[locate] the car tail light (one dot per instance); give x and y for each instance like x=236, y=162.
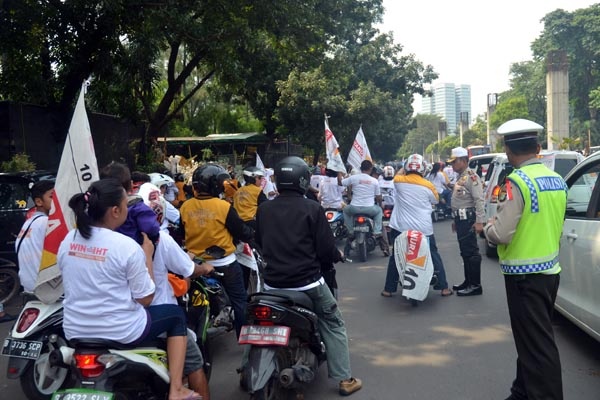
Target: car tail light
x=28, y=316
x=329, y=216
x=361, y=220
x=88, y=365
x=495, y=193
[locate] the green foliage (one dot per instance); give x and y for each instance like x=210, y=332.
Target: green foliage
x=511, y=108
x=18, y=163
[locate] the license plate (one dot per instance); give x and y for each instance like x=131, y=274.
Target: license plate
x=265, y=335
x=22, y=348
x=361, y=228
x=81, y=394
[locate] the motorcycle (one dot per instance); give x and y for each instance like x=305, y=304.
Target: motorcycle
x=335, y=218
x=286, y=349
x=10, y=285
x=36, y=333
x=364, y=241
x=208, y=312
x=107, y=370
x=441, y=212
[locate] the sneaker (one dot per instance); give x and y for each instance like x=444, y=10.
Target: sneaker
x=350, y=386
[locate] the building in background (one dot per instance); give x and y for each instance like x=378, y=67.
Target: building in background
x=448, y=102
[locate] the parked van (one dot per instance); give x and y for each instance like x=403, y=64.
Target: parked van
x=561, y=161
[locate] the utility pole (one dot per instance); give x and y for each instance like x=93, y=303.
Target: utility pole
x=492, y=100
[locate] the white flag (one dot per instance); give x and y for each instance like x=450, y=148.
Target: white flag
x=261, y=166
x=77, y=170
x=359, y=151
x=334, y=158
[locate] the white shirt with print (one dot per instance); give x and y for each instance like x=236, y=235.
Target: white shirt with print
x=364, y=189
x=102, y=277
x=30, y=252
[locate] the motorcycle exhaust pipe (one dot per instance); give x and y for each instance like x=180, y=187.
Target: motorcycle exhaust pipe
x=286, y=377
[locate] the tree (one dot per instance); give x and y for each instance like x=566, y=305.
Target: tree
x=419, y=138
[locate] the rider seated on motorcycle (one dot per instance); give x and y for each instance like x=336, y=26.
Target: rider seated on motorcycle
x=210, y=226
x=294, y=256
x=109, y=282
x=441, y=182
x=330, y=193
x=169, y=257
x=365, y=193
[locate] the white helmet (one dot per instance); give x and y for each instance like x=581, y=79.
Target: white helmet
x=388, y=172
x=254, y=172
x=159, y=180
x=415, y=163
x=153, y=198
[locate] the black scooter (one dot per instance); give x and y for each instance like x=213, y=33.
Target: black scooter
x=285, y=345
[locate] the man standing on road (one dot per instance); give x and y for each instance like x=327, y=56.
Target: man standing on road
x=365, y=193
x=467, y=209
x=532, y=206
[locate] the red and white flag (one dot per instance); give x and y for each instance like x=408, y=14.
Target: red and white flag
x=359, y=151
x=334, y=158
x=77, y=170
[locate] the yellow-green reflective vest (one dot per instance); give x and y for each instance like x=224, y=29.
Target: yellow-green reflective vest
x=534, y=246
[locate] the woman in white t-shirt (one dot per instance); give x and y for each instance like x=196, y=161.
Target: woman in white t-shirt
x=108, y=282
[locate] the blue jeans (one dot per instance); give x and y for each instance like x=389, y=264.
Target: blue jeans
x=233, y=283
x=373, y=211
x=392, y=276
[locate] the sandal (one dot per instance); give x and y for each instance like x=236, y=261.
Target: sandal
x=447, y=292
x=386, y=294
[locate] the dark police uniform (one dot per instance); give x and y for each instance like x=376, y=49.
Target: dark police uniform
x=467, y=209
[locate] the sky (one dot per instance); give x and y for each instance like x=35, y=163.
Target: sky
x=471, y=42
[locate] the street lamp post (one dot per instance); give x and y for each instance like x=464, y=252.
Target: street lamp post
x=492, y=100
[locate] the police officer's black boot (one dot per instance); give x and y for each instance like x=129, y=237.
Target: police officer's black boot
x=466, y=281
x=474, y=277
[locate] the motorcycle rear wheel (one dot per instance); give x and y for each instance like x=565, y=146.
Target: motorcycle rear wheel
x=273, y=390
x=362, y=251
x=40, y=380
x=9, y=284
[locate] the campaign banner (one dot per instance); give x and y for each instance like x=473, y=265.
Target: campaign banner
x=359, y=151
x=332, y=149
x=77, y=170
x=414, y=264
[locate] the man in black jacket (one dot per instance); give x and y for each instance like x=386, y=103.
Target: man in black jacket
x=296, y=240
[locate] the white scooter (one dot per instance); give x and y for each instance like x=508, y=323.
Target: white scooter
x=36, y=333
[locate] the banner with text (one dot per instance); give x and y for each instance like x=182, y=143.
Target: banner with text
x=334, y=158
x=359, y=151
x=77, y=170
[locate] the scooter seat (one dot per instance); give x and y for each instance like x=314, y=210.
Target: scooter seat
x=285, y=297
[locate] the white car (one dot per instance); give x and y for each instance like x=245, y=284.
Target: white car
x=578, y=296
x=561, y=161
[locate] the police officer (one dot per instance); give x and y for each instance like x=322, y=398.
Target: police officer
x=531, y=206
x=467, y=209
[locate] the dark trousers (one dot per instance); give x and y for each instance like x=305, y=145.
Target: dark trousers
x=232, y=281
x=530, y=300
x=469, y=250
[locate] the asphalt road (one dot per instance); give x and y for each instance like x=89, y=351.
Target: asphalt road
x=449, y=348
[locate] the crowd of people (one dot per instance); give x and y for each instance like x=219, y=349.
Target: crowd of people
x=123, y=292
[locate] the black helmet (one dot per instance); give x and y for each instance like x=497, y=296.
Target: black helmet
x=292, y=173
x=209, y=179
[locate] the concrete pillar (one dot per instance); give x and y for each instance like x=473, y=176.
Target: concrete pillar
x=557, y=98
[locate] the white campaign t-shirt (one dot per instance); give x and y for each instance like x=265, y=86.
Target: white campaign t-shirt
x=439, y=180
x=331, y=193
x=364, y=189
x=102, y=276
x=30, y=252
x=169, y=257
x=412, y=209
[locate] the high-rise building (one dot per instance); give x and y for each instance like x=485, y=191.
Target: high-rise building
x=448, y=101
